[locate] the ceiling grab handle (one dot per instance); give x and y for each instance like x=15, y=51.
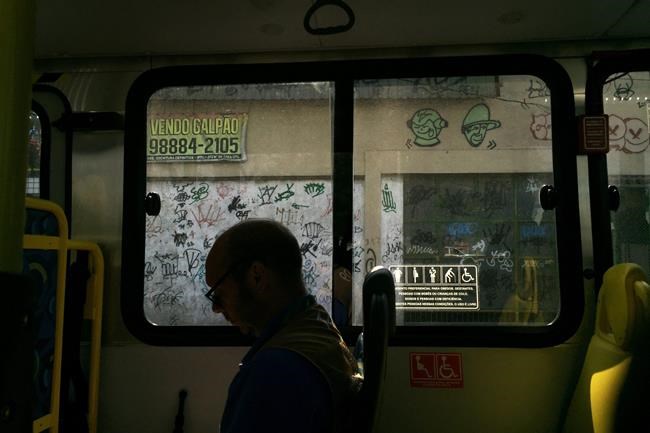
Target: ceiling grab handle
x=333, y=29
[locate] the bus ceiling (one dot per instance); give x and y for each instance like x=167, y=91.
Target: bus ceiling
x=81, y=28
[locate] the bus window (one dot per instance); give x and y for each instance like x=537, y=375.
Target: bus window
x=437, y=178
x=448, y=172
x=625, y=101
x=217, y=155
x=33, y=186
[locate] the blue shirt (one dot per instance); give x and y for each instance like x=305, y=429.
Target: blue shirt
x=277, y=391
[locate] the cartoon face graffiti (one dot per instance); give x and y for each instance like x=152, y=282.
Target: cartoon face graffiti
x=636, y=135
x=475, y=133
x=427, y=124
x=629, y=135
x=617, y=128
x=624, y=87
x=540, y=126
x=477, y=123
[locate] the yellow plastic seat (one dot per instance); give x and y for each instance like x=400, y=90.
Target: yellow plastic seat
x=614, y=384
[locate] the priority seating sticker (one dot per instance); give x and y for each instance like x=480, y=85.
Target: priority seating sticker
x=436, y=370
x=436, y=287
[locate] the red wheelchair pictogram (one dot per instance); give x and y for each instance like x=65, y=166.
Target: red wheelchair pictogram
x=436, y=370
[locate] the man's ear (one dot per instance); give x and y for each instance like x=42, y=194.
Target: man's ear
x=258, y=275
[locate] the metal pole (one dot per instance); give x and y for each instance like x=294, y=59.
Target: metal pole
x=16, y=55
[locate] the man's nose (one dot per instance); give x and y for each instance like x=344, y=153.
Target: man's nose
x=217, y=307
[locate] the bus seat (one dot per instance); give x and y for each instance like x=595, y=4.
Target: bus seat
x=523, y=305
x=615, y=375
x=378, y=327
x=44, y=261
x=46, y=252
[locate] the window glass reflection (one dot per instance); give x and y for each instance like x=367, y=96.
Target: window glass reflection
x=33, y=186
x=625, y=100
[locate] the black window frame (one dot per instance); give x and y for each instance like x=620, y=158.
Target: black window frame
x=343, y=74
x=602, y=65
x=40, y=88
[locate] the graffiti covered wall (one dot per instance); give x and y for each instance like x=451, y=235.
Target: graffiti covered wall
x=195, y=212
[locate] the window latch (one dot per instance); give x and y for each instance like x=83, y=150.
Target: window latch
x=613, y=198
x=152, y=204
x=548, y=197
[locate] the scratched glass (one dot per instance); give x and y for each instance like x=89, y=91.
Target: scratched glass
x=626, y=101
x=447, y=178
x=218, y=155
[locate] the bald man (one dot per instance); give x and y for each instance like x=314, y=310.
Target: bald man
x=299, y=375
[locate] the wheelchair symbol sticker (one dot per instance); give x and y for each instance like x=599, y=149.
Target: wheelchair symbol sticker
x=468, y=275
x=436, y=370
x=445, y=370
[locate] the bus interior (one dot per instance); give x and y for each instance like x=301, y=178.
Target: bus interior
x=490, y=155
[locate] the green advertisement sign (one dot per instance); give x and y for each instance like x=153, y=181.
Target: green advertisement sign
x=197, y=138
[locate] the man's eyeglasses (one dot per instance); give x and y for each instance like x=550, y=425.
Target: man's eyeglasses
x=212, y=293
